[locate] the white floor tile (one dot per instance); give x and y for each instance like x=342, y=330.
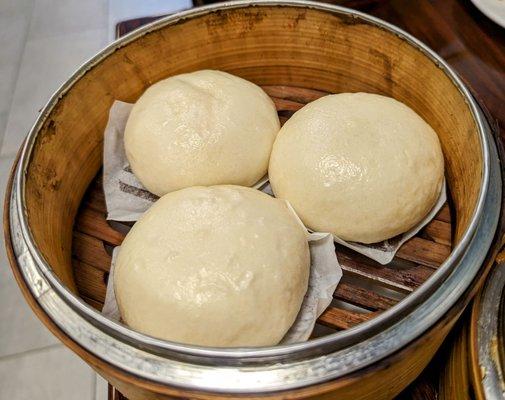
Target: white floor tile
x=3, y=122
x=46, y=64
x=101, y=388
x=55, y=17
x=13, y=31
x=20, y=329
x=16, y=7
x=14, y=23
x=50, y=374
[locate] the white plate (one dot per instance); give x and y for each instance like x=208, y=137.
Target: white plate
x=493, y=9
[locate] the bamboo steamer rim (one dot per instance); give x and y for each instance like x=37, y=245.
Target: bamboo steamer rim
x=486, y=338
x=335, y=341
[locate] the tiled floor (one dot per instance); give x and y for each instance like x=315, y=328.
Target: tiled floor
x=41, y=43
x=51, y=53
x=48, y=373
x=37, y=53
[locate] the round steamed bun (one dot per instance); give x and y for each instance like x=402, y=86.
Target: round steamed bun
x=218, y=266
x=202, y=128
x=361, y=166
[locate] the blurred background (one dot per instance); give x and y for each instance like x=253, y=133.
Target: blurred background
x=43, y=41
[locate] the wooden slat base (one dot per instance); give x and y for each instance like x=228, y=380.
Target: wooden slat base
x=367, y=288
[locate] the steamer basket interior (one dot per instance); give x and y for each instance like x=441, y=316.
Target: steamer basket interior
x=296, y=54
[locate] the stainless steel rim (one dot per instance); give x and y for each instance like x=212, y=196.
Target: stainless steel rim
x=381, y=334
x=490, y=334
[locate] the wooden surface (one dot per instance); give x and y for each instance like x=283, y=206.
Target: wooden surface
x=367, y=288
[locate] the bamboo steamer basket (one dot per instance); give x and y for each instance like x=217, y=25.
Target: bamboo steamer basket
x=295, y=48
x=476, y=364
x=486, y=335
